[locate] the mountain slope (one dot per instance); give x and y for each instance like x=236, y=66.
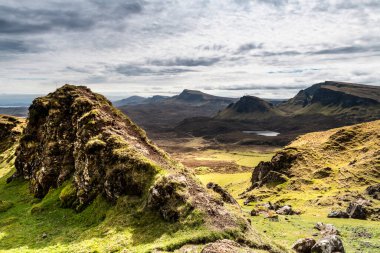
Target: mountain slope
x=327, y=168
x=78, y=152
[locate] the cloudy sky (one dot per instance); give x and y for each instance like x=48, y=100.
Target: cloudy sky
x=268, y=48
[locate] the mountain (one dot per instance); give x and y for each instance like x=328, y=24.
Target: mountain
x=137, y=100
x=324, y=169
x=194, y=96
x=79, y=152
x=354, y=102
x=160, y=114
x=133, y=100
x=247, y=107
x=320, y=107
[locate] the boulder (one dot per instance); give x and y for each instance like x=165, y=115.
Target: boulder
x=374, y=191
x=326, y=229
x=169, y=197
x=338, y=214
x=357, y=211
x=251, y=198
x=285, y=210
x=275, y=171
x=303, y=245
x=329, y=244
x=254, y=212
x=226, y=196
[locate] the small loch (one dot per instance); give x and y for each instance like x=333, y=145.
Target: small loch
x=262, y=133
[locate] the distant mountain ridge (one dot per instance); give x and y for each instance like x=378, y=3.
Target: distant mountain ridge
x=328, y=98
x=322, y=106
x=186, y=96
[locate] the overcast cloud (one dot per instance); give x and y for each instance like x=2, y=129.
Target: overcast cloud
x=230, y=47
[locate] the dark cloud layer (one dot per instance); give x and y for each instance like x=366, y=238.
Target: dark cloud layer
x=134, y=70
x=16, y=46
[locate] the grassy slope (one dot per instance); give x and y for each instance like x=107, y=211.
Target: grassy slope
x=347, y=179
x=31, y=225
x=99, y=228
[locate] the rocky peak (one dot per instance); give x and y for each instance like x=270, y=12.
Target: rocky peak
x=248, y=104
x=74, y=133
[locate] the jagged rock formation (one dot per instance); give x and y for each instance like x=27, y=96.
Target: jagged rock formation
x=74, y=132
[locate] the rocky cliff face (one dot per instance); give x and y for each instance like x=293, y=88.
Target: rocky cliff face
x=74, y=133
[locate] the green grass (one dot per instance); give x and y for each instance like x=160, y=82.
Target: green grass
x=242, y=158
x=99, y=228
x=299, y=226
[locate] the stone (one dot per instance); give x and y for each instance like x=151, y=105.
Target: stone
x=250, y=199
x=285, y=210
x=374, y=191
x=326, y=229
x=355, y=210
x=275, y=171
x=226, y=196
x=338, y=214
x=329, y=244
x=303, y=245
x=254, y=212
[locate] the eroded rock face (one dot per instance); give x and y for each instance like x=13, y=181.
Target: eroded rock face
x=74, y=133
x=275, y=171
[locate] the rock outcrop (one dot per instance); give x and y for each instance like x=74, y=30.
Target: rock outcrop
x=303, y=245
x=276, y=171
x=74, y=133
x=374, y=191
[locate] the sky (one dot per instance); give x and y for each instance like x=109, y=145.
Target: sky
x=269, y=48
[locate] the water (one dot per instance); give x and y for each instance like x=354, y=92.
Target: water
x=262, y=133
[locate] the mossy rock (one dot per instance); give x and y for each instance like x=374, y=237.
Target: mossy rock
x=5, y=205
x=323, y=173
x=68, y=196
